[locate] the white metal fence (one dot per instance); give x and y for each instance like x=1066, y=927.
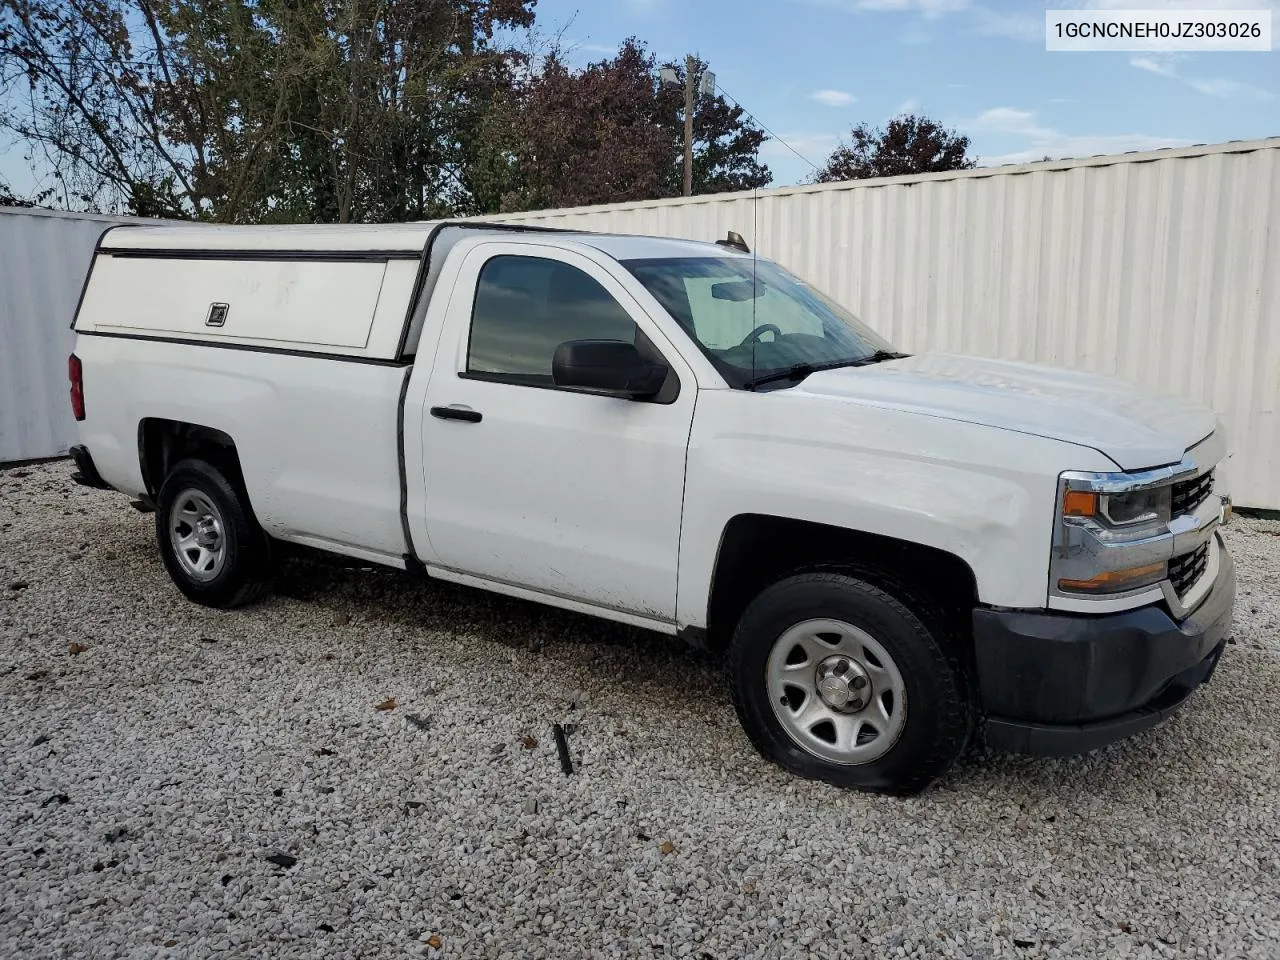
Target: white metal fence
x=1162, y=267
x=43, y=260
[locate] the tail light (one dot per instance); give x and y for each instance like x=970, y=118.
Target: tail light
x=76, y=374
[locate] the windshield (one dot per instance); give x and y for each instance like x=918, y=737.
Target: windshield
x=754, y=331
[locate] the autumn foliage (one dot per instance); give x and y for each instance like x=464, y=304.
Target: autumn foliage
x=353, y=110
x=908, y=144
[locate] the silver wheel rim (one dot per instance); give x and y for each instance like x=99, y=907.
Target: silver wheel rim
x=836, y=691
x=197, y=534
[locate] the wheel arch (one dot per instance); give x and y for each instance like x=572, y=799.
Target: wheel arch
x=163, y=443
x=757, y=550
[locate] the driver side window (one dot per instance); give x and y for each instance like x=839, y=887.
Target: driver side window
x=525, y=307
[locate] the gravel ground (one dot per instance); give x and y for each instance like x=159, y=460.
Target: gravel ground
x=157, y=756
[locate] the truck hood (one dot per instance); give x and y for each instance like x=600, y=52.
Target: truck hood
x=1135, y=428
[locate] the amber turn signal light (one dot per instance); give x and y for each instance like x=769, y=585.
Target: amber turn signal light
x=1079, y=503
x=1114, y=580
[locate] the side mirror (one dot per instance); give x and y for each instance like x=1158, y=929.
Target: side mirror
x=609, y=366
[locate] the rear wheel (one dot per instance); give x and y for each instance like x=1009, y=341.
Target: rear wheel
x=835, y=678
x=211, y=544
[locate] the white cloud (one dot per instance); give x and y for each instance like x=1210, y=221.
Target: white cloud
x=1220, y=87
x=833, y=98
x=1154, y=64
x=1164, y=65
x=1020, y=123
x=909, y=105
x=1045, y=141
x=1085, y=145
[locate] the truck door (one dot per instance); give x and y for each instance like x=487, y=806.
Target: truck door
x=567, y=493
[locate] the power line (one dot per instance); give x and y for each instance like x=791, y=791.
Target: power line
x=766, y=129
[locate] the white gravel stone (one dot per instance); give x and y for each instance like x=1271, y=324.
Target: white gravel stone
x=202, y=742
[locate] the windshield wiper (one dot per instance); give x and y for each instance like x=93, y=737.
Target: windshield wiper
x=798, y=371
x=878, y=357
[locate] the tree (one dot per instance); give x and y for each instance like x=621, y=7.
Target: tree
x=73, y=88
x=7, y=199
x=396, y=95
x=908, y=144
x=608, y=133
x=569, y=138
x=249, y=110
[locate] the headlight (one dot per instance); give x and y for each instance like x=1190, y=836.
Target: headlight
x=1140, y=506
x=1120, y=509
x=1112, y=535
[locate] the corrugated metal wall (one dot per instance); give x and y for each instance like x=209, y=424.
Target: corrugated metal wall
x=1162, y=267
x=43, y=260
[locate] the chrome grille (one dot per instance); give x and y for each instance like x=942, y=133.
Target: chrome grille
x=1186, y=570
x=1189, y=494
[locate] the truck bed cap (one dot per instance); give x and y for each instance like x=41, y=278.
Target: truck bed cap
x=406, y=237
x=393, y=238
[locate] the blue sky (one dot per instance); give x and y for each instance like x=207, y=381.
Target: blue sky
x=811, y=69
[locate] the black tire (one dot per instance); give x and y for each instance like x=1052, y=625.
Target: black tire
x=243, y=574
x=938, y=707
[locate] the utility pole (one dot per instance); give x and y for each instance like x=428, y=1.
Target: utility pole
x=688, y=124
x=706, y=86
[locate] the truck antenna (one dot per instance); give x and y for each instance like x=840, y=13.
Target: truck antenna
x=755, y=282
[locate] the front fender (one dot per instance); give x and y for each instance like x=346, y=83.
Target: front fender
x=980, y=493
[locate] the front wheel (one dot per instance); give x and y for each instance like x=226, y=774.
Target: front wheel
x=836, y=679
x=212, y=546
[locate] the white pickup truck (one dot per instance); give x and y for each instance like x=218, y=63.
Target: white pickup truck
x=895, y=551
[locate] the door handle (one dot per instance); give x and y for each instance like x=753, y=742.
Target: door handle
x=465, y=414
